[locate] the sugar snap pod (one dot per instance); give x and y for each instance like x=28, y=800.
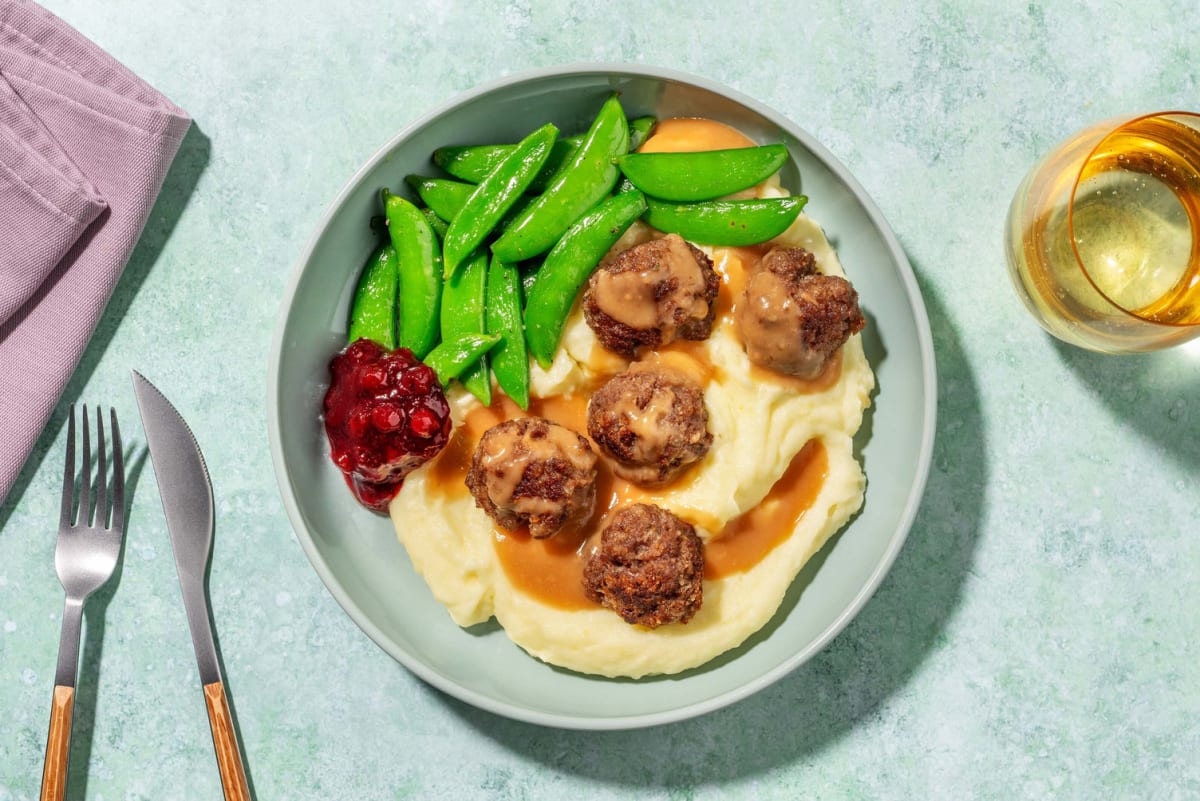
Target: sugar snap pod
x=483, y=209
x=463, y=314
x=581, y=183
x=473, y=163
x=444, y=196
x=510, y=358
x=420, y=262
x=640, y=129
x=438, y=225
x=725, y=222
x=702, y=175
x=451, y=357
x=373, y=310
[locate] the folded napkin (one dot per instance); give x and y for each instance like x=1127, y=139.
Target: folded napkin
x=84, y=147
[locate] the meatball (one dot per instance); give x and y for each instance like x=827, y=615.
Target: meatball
x=651, y=423
x=791, y=318
x=649, y=568
x=532, y=472
x=651, y=295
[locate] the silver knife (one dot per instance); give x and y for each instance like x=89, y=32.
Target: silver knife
x=187, y=499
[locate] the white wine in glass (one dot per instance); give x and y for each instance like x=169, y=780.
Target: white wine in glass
x=1103, y=235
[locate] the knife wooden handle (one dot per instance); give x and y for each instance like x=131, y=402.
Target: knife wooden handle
x=58, y=744
x=229, y=759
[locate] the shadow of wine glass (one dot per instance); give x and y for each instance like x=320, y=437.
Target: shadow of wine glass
x=1155, y=393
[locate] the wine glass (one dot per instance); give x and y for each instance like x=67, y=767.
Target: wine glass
x=1103, y=235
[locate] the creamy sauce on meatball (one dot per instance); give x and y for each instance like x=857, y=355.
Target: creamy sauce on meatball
x=651, y=295
x=647, y=298
x=647, y=422
x=506, y=456
x=791, y=318
x=531, y=472
x=651, y=422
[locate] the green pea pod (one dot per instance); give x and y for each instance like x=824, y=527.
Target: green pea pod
x=529, y=274
x=463, y=313
x=702, y=175
x=560, y=154
x=444, y=196
x=569, y=264
x=580, y=184
x=450, y=196
x=449, y=359
x=475, y=162
x=471, y=162
x=624, y=185
x=510, y=359
x=438, y=225
x=495, y=195
x=420, y=259
x=373, y=310
x=640, y=130
x=725, y=222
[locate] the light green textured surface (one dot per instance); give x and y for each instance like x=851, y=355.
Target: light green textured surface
x=1037, y=637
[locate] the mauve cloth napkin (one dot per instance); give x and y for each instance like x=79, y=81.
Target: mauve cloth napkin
x=84, y=147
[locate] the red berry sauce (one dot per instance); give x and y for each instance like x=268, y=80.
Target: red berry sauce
x=385, y=416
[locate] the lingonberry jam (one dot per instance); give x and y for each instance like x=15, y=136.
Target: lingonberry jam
x=385, y=416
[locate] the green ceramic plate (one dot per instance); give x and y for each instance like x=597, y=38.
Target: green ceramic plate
x=368, y=572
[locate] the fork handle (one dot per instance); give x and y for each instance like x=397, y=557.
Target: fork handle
x=229, y=758
x=58, y=744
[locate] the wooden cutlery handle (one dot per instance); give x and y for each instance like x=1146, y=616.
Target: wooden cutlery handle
x=229, y=759
x=58, y=744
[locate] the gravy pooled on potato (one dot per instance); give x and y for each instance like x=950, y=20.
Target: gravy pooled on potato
x=651, y=295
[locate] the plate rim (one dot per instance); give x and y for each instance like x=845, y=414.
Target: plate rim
x=896, y=541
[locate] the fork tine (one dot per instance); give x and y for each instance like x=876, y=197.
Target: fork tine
x=68, y=494
x=118, y=479
x=101, y=473
x=84, y=517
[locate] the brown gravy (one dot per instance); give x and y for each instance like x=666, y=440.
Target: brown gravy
x=749, y=537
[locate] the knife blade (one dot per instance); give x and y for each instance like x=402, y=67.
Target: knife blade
x=187, y=498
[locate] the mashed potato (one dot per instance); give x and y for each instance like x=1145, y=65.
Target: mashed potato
x=759, y=424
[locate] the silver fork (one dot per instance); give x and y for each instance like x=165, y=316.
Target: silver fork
x=85, y=558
